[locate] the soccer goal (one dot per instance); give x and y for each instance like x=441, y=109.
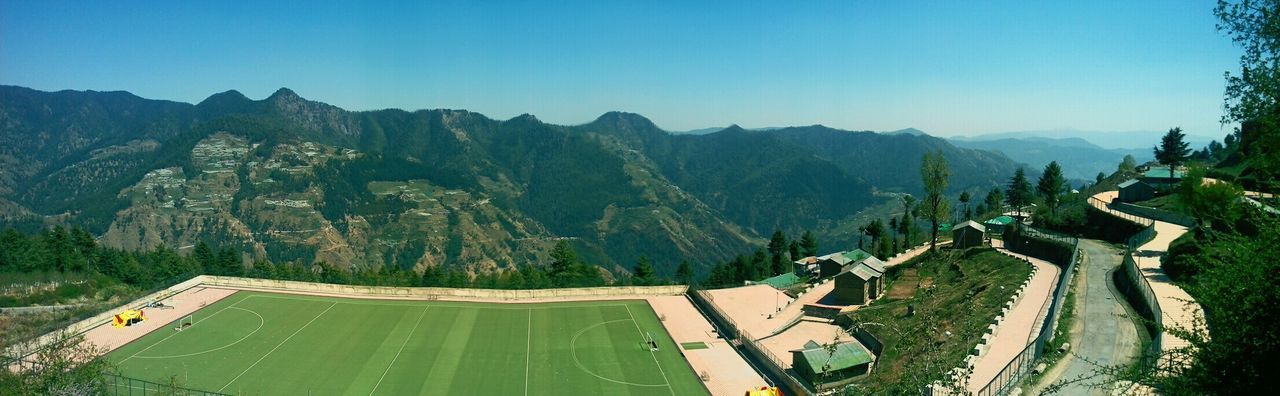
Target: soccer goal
x=650, y=342
x=185, y=323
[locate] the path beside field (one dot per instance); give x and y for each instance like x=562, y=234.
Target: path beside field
x=1019, y=326
x=185, y=303
x=728, y=373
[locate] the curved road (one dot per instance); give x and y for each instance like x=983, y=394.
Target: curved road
x=1104, y=331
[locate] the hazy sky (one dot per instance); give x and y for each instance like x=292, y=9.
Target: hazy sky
x=954, y=67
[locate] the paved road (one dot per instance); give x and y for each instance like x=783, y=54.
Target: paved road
x=1103, y=332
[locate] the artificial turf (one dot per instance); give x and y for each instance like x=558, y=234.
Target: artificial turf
x=262, y=343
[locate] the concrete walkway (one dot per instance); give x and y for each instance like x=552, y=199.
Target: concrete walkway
x=1178, y=309
x=1104, y=331
x=1020, y=324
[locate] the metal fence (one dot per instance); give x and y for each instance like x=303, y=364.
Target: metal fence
x=733, y=333
x=1143, y=288
x=1106, y=207
x=1139, y=281
x=127, y=386
x=1024, y=361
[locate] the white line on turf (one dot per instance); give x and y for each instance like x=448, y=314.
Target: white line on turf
x=261, y=321
x=233, y=380
x=655, y=356
x=176, y=333
x=406, y=342
x=573, y=349
x=528, y=351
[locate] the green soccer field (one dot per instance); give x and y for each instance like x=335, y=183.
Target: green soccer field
x=263, y=343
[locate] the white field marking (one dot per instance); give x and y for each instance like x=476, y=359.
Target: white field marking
x=449, y=304
x=528, y=353
x=655, y=356
x=261, y=321
x=176, y=333
x=406, y=342
x=574, y=351
x=233, y=380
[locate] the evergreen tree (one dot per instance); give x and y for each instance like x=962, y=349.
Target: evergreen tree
x=994, y=200
x=515, y=279
x=777, y=249
x=808, y=244
x=642, y=274
x=907, y=223
x=760, y=261
x=935, y=174
x=684, y=273
x=876, y=230
x=1098, y=179
x=1019, y=191
x=433, y=276
x=893, y=230
x=205, y=257
x=1173, y=149
x=1051, y=186
x=796, y=252
x=229, y=262
x=564, y=264
x=964, y=199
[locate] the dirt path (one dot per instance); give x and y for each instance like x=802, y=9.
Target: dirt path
x=1103, y=318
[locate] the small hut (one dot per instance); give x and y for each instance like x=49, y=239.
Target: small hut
x=1135, y=190
x=968, y=234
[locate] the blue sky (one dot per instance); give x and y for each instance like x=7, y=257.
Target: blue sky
x=945, y=67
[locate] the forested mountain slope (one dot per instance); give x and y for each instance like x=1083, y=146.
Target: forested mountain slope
x=294, y=179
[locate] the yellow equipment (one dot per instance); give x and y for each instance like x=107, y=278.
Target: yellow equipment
x=128, y=318
x=765, y=391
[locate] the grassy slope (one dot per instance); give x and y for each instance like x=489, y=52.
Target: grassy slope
x=962, y=302
x=437, y=348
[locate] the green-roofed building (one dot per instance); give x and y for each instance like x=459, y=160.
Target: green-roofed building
x=1157, y=176
x=848, y=360
x=781, y=282
x=998, y=224
x=833, y=263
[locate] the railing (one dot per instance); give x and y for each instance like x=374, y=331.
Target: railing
x=1022, y=363
x=1106, y=207
x=705, y=300
x=1143, y=288
x=121, y=385
x=1138, y=279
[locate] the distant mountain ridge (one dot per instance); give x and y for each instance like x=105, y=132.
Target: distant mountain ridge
x=1131, y=140
x=1080, y=159
x=294, y=179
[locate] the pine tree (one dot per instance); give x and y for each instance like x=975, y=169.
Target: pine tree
x=684, y=273
x=642, y=274
x=564, y=264
x=796, y=252
x=1173, y=149
x=205, y=257
x=808, y=244
x=1051, y=186
x=964, y=199
x=1019, y=191
x=777, y=249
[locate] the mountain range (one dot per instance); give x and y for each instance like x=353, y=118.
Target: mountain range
x=288, y=178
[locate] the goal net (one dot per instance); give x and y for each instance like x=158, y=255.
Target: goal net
x=185, y=323
x=650, y=342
